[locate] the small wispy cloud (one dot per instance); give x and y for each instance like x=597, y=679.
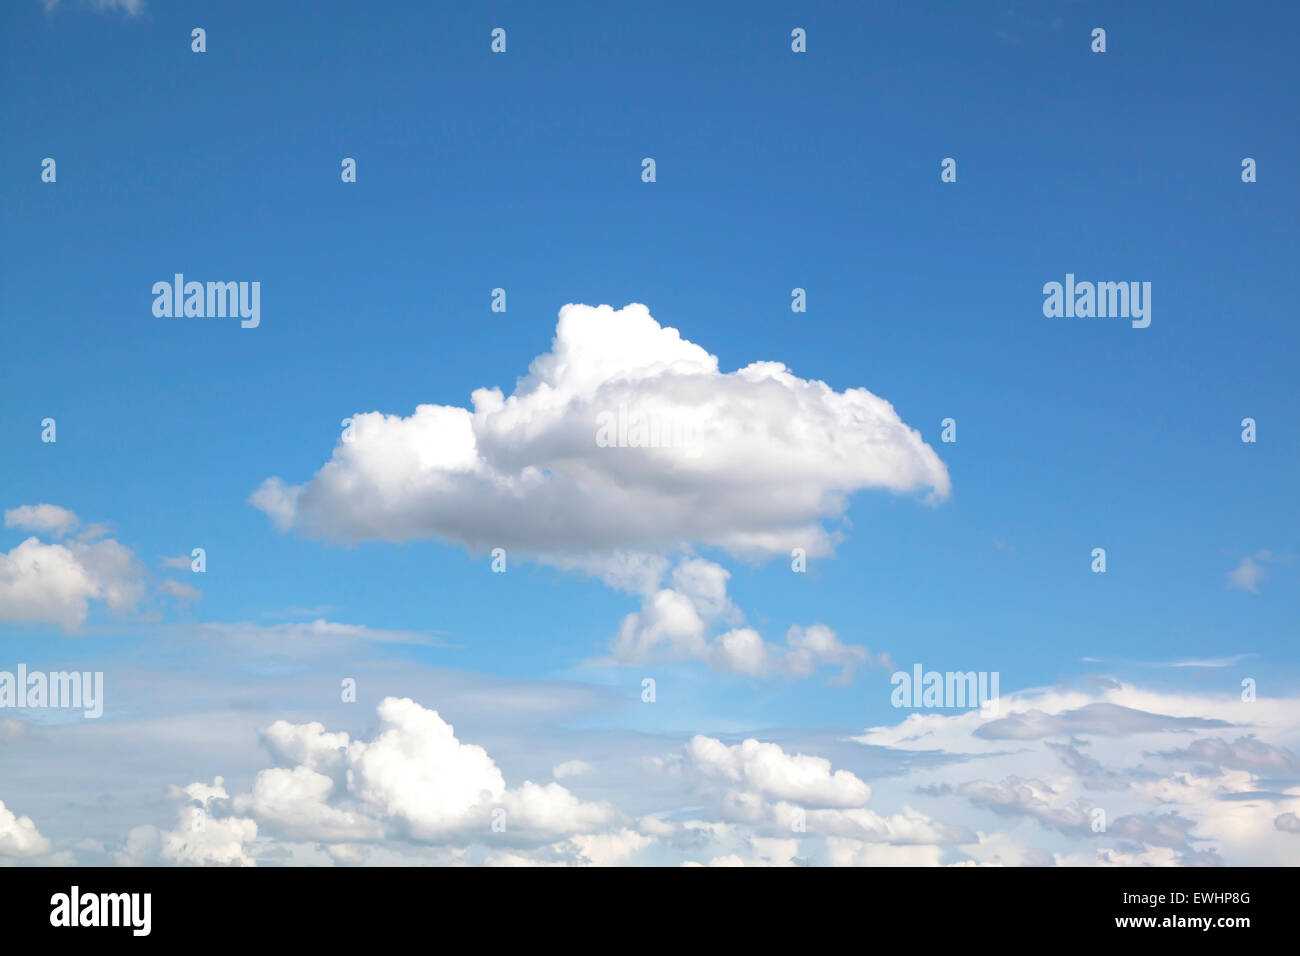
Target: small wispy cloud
x=1251, y=571
x=132, y=8
x=1208, y=661
x=1182, y=662
x=314, y=611
x=309, y=636
x=42, y=519
x=182, y=592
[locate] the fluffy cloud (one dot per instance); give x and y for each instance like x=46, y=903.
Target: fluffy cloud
x=753, y=769
x=675, y=623
x=411, y=791
x=44, y=583
x=221, y=842
x=773, y=808
x=754, y=459
x=572, y=768
x=293, y=802
x=19, y=836
x=606, y=849
x=414, y=780
x=42, y=519
x=417, y=772
x=308, y=745
x=206, y=834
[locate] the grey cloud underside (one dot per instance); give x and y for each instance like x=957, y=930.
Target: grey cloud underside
x=1244, y=753
x=1090, y=771
x=1100, y=718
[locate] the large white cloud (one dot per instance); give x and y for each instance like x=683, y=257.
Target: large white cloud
x=752, y=460
x=417, y=772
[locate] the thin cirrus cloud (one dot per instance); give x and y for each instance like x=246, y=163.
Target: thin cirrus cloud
x=752, y=461
x=1095, y=718
x=305, y=638
x=1202, y=662
x=132, y=8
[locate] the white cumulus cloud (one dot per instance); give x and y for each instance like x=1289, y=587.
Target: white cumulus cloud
x=414, y=780
x=760, y=460
x=54, y=583
x=19, y=836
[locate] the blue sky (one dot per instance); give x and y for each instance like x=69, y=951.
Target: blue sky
x=775, y=170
